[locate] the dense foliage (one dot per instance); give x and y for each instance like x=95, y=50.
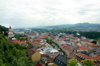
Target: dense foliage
x=72, y=62
x=87, y=34
x=87, y=62
x=3, y=29
x=18, y=37
x=13, y=54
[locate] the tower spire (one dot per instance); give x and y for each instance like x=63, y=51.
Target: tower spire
x=10, y=27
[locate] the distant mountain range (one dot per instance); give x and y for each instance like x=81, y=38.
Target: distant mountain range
x=76, y=27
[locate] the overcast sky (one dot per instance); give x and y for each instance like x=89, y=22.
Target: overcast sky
x=31, y=13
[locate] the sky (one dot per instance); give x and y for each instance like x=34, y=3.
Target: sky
x=33, y=13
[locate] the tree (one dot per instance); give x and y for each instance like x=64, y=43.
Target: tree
x=87, y=62
x=72, y=62
x=13, y=54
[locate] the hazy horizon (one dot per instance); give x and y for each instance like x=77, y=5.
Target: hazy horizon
x=34, y=13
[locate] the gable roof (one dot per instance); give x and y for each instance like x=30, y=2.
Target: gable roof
x=93, y=45
x=88, y=57
x=85, y=40
x=60, y=40
x=42, y=36
x=62, y=59
x=31, y=52
x=49, y=59
x=17, y=41
x=83, y=48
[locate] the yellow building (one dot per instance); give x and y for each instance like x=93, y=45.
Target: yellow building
x=47, y=34
x=32, y=54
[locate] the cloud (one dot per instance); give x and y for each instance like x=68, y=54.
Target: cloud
x=30, y=13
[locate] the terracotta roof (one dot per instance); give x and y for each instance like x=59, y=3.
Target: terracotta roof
x=67, y=47
x=62, y=45
x=77, y=37
x=60, y=40
x=17, y=41
x=83, y=48
x=67, y=40
x=93, y=45
x=35, y=41
x=63, y=37
x=70, y=49
x=85, y=40
x=33, y=35
x=82, y=37
x=77, y=45
x=88, y=57
x=42, y=36
x=72, y=55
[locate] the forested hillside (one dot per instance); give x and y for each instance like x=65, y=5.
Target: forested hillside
x=13, y=55
x=3, y=29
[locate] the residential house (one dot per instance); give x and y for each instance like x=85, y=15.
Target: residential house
x=61, y=60
x=96, y=59
x=84, y=41
x=32, y=54
x=82, y=48
x=67, y=48
x=10, y=33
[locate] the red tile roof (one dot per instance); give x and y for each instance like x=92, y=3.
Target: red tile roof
x=17, y=41
x=67, y=40
x=42, y=36
x=82, y=37
x=67, y=47
x=83, y=48
x=60, y=40
x=77, y=37
x=62, y=45
x=77, y=45
x=85, y=40
x=36, y=41
x=88, y=57
x=93, y=45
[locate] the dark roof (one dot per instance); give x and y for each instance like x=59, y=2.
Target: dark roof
x=33, y=47
x=47, y=56
x=50, y=59
x=39, y=64
x=85, y=52
x=31, y=52
x=61, y=60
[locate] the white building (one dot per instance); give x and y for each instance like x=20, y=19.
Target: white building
x=10, y=33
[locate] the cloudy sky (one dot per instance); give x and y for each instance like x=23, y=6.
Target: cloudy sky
x=32, y=13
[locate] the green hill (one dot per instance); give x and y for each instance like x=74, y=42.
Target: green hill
x=3, y=29
x=13, y=54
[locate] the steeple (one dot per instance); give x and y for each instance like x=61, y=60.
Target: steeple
x=10, y=27
x=10, y=33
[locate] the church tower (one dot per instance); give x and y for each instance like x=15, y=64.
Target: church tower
x=10, y=33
